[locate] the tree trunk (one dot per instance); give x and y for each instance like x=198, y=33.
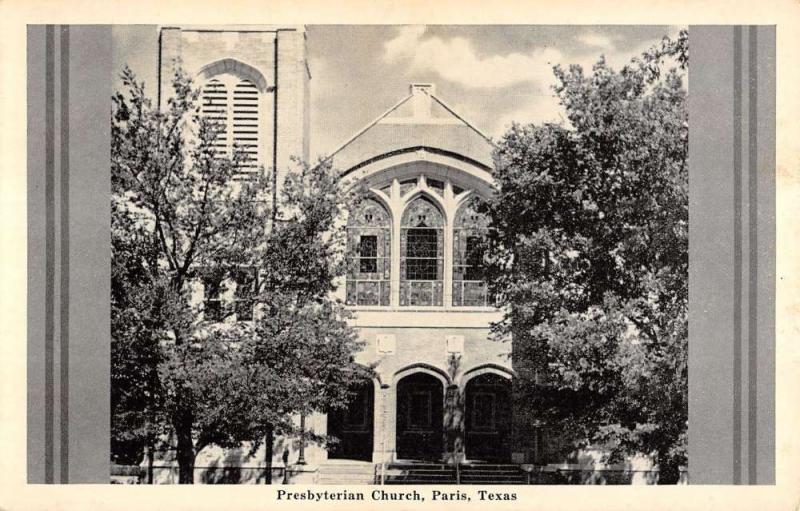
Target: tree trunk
x=182, y=422
x=268, y=441
x=185, y=448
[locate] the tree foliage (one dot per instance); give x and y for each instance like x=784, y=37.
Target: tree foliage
x=591, y=224
x=182, y=215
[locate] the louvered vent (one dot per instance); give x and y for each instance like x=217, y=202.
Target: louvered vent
x=215, y=108
x=245, y=121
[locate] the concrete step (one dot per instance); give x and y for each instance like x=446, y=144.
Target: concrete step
x=347, y=469
x=430, y=473
x=340, y=473
x=421, y=473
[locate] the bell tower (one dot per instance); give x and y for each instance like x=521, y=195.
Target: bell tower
x=254, y=78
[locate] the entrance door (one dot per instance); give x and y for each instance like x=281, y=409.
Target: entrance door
x=488, y=419
x=352, y=426
x=419, y=418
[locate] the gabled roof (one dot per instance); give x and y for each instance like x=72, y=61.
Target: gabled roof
x=420, y=120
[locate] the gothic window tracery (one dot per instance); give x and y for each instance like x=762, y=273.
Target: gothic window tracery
x=422, y=254
x=369, y=255
x=469, y=244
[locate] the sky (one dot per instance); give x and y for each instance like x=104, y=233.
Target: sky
x=490, y=74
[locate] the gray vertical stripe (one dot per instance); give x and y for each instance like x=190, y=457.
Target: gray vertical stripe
x=765, y=182
x=737, y=254
x=745, y=226
x=752, y=358
x=49, y=251
x=64, y=249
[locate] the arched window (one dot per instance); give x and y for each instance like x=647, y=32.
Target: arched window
x=469, y=245
x=368, y=255
x=234, y=103
x=421, y=254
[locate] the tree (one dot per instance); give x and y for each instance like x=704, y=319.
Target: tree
x=135, y=324
x=182, y=216
x=590, y=222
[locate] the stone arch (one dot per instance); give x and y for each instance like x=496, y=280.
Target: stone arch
x=234, y=67
x=473, y=175
x=422, y=367
x=371, y=201
x=426, y=194
x=487, y=369
x=422, y=196
x=467, y=216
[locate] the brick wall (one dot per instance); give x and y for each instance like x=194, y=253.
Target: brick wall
x=429, y=346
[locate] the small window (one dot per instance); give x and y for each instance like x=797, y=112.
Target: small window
x=212, y=302
x=421, y=254
x=437, y=186
x=244, y=296
x=368, y=254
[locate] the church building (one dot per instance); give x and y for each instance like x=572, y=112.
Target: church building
x=443, y=390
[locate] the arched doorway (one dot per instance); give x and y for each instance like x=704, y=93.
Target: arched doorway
x=420, y=413
x=353, y=425
x=488, y=418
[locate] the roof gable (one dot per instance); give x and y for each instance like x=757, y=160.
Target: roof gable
x=419, y=120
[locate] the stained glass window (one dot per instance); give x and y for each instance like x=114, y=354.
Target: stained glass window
x=421, y=259
x=421, y=249
x=469, y=246
x=473, y=257
x=368, y=254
